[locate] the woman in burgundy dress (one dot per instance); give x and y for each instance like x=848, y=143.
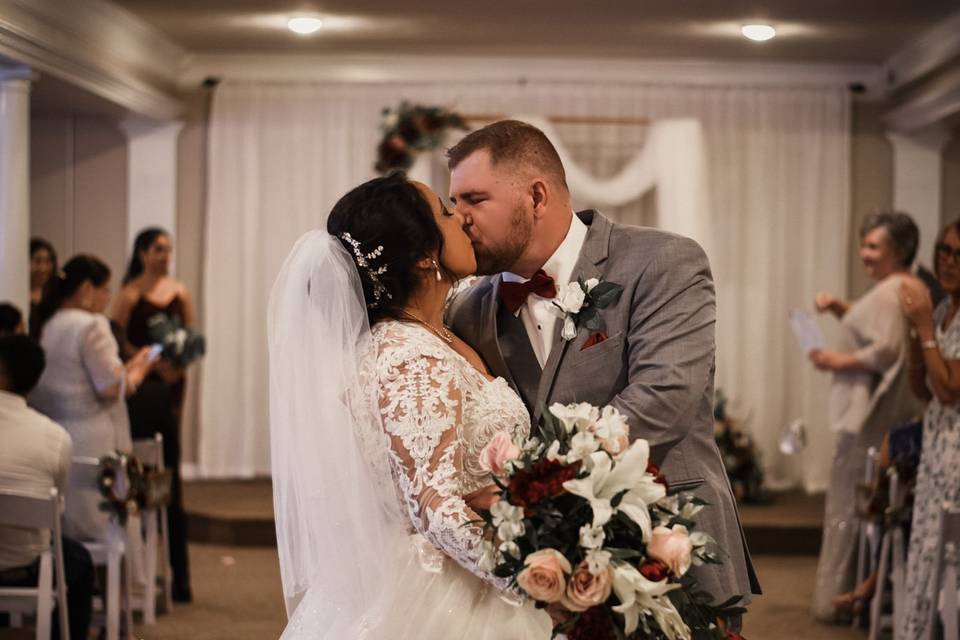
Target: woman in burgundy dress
x=149, y=290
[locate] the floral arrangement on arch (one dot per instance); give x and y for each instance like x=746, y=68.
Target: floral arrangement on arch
x=411, y=128
x=586, y=526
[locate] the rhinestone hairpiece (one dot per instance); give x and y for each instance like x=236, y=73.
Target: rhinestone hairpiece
x=364, y=260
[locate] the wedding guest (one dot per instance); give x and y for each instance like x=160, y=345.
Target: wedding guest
x=34, y=458
x=934, y=365
x=84, y=384
x=149, y=290
x=43, y=264
x=869, y=392
x=11, y=320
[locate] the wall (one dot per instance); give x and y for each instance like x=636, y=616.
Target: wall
x=78, y=187
x=951, y=179
x=191, y=205
x=871, y=183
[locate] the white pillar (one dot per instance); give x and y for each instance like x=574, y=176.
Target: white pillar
x=15, y=186
x=151, y=175
x=917, y=177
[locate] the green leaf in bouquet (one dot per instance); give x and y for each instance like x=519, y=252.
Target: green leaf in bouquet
x=549, y=427
x=503, y=571
x=623, y=554
x=605, y=294
x=689, y=524
x=618, y=497
x=589, y=318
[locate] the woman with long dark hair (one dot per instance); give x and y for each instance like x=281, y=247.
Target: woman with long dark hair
x=150, y=291
x=43, y=264
x=85, y=381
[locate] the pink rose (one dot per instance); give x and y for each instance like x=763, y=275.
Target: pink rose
x=586, y=590
x=544, y=575
x=500, y=450
x=672, y=547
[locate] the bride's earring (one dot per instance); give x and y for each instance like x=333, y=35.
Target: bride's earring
x=437, y=267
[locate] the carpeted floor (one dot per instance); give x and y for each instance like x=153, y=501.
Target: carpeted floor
x=237, y=597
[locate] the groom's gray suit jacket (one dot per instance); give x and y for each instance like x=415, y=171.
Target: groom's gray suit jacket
x=656, y=366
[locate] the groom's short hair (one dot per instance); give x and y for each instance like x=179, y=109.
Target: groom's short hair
x=512, y=142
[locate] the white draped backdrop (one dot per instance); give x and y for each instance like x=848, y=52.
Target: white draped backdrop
x=769, y=200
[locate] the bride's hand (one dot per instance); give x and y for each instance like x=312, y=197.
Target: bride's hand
x=483, y=499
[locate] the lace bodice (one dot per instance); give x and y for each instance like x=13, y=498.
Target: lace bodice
x=439, y=412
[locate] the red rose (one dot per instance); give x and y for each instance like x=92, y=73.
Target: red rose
x=593, y=624
x=528, y=487
x=654, y=470
x=654, y=571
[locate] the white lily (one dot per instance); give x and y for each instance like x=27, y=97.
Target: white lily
x=606, y=481
x=508, y=519
x=591, y=537
x=578, y=417
x=637, y=594
x=582, y=446
x=598, y=560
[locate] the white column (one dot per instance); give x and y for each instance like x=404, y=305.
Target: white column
x=151, y=175
x=917, y=177
x=15, y=186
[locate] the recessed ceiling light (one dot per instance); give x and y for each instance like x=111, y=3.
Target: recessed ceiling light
x=758, y=32
x=304, y=25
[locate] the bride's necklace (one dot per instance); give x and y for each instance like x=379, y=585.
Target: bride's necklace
x=443, y=333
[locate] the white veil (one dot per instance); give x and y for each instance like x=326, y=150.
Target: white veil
x=337, y=513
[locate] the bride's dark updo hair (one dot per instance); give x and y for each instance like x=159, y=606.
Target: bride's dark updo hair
x=391, y=213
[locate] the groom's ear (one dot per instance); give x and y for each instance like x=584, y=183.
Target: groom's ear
x=539, y=194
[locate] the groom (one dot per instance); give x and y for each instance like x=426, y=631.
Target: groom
x=653, y=356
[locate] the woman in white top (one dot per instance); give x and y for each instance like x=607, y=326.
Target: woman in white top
x=85, y=382
x=869, y=395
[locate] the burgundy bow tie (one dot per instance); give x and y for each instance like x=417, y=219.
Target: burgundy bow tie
x=514, y=294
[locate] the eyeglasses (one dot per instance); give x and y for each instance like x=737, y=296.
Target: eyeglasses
x=945, y=251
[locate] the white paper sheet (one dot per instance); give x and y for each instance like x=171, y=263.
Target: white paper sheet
x=806, y=330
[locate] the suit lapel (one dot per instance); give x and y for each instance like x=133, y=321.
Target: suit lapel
x=490, y=343
x=595, y=249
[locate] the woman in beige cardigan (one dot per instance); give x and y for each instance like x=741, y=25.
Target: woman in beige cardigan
x=869, y=393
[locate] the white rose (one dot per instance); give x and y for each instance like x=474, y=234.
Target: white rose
x=591, y=283
x=613, y=430
x=570, y=298
x=591, y=537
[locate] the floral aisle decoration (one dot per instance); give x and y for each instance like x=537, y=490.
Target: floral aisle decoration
x=120, y=480
x=409, y=129
x=739, y=453
x=587, y=526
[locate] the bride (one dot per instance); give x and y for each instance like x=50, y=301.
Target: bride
x=378, y=415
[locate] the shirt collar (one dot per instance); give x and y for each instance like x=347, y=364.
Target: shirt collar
x=12, y=400
x=560, y=265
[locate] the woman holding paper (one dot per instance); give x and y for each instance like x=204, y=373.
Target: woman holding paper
x=869, y=393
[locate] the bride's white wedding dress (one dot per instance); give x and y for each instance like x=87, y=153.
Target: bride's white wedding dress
x=438, y=412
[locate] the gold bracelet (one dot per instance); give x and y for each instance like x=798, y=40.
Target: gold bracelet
x=929, y=344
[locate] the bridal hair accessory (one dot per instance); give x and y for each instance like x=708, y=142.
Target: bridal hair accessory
x=363, y=260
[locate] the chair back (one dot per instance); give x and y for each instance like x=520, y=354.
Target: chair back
x=30, y=510
x=149, y=451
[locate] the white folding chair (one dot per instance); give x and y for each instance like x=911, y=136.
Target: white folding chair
x=37, y=512
x=868, y=536
x=944, y=585
x=109, y=552
x=891, y=566
x=150, y=452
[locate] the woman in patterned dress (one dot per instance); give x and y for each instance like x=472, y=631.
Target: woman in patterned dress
x=935, y=376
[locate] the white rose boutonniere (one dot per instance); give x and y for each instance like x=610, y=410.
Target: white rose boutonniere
x=579, y=303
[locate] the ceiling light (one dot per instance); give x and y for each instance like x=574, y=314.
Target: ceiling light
x=758, y=32
x=304, y=26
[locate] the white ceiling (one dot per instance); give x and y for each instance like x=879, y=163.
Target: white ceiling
x=862, y=31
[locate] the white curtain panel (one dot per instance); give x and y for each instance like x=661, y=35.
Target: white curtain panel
x=777, y=167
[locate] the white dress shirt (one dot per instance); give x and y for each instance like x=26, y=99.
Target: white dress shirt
x=539, y=315
x=35, y=457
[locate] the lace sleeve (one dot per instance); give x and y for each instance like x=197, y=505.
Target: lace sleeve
x=421, y=400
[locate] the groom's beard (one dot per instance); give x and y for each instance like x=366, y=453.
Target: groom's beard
x=502, y=257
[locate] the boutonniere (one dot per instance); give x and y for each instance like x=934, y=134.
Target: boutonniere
x=579, y=304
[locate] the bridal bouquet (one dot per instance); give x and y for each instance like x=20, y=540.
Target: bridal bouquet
x=587, y=526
